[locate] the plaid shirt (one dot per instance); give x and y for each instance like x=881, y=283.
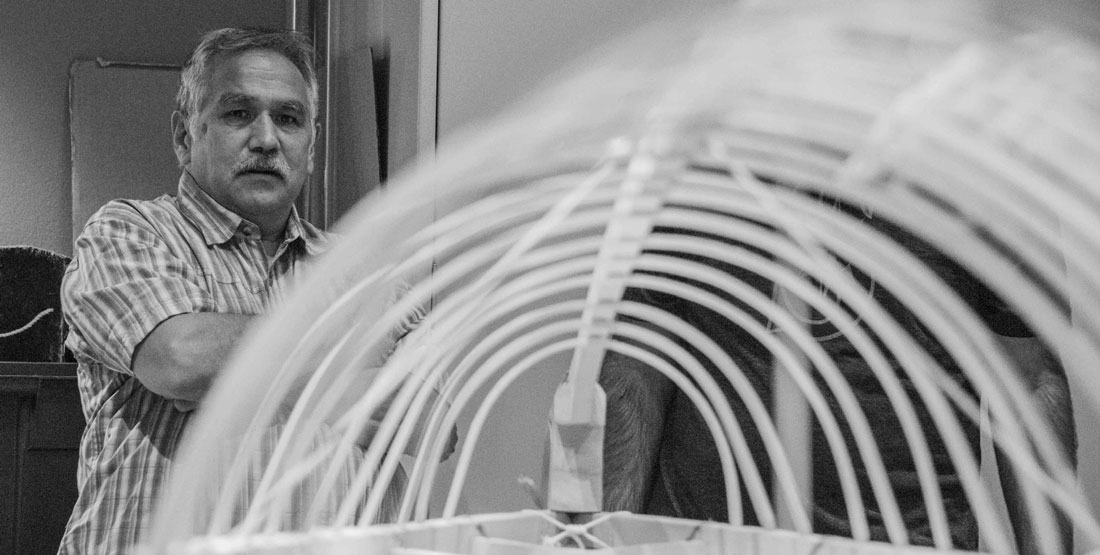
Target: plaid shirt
x=136, y=264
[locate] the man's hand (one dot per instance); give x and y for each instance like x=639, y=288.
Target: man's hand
x=370, y=429
x=367, y=434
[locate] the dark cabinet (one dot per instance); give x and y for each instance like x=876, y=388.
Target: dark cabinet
x=40, y=427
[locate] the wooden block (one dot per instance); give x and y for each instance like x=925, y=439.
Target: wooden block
x=576, y=457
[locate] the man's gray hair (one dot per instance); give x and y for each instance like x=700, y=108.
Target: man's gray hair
x=195, y=79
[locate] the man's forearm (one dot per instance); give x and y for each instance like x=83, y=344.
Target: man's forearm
x=181, y=357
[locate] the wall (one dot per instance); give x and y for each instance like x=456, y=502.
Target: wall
x=380, y=37
x=38, y=42
x=494, y=52
x=404, y=82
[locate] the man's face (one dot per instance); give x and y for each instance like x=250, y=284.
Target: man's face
x=250, y=147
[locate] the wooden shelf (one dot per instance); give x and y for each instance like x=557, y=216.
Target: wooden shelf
x=40, y=427
x=24, y=378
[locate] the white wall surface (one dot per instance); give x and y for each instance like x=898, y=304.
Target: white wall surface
x=494, y=52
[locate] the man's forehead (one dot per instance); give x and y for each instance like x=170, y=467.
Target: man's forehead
x=256, y=76
x=223, y=59
x=237, y=64
x=232, y=98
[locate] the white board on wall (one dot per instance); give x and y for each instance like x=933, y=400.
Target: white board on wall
x=120, y=134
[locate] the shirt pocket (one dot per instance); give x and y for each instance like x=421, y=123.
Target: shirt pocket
x=236, y=288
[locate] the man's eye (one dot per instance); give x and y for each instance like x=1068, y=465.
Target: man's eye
x=237, y=115
x=288, y=119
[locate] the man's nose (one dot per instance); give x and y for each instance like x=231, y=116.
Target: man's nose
x=263, y=137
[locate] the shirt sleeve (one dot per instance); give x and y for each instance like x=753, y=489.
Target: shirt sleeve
x=123, y=281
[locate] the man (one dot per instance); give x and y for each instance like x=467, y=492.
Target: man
x=660, y=457
x=159, y=292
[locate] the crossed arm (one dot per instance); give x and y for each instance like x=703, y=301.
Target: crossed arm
x=180, y=358
x=183, y=355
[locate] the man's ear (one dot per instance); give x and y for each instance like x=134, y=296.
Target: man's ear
x=313, y=146
x=181, y=138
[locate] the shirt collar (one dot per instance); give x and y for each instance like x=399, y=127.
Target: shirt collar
x=217, y=223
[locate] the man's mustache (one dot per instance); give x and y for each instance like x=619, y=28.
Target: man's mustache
x=272, y=164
